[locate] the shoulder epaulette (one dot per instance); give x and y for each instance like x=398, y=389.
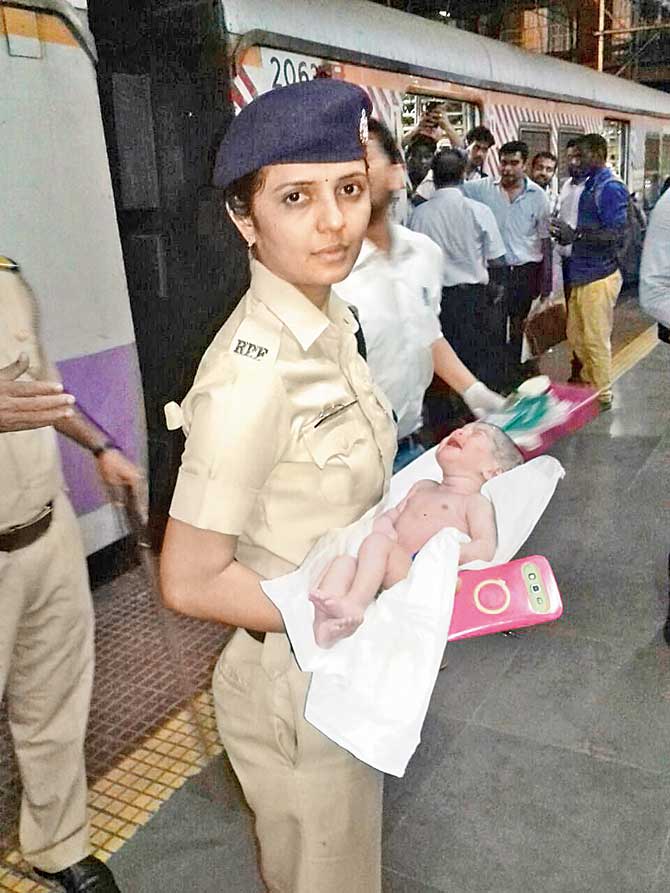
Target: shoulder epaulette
x=257, y=338
x=6, y=263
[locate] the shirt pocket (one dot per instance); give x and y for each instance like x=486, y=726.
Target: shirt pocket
x=331, y=445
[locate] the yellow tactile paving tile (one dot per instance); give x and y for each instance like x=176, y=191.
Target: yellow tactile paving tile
x=125, y=798
x=635, y=351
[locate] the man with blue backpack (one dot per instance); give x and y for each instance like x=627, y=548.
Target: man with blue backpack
x=592, y=271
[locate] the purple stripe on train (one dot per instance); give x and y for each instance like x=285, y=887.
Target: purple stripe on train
x=108, y=389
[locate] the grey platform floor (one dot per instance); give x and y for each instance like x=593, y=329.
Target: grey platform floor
x=545, y=760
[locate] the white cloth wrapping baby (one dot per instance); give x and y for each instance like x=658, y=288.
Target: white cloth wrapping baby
x=370, y=692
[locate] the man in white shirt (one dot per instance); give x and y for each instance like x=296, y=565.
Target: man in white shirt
x=654, y=289
x=568, y=210
x=470, y=240
x=543, y=170
x=521, y=211
x=396, y=287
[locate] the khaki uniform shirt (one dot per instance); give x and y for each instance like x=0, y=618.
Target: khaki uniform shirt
x=287, y=436
x=30, y=474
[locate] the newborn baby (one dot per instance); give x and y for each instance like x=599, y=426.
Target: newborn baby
x=468, y=457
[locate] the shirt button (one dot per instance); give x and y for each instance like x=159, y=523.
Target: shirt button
x=22, y=335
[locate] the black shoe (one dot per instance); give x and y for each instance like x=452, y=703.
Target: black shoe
x=89, y=875
x=576, y=367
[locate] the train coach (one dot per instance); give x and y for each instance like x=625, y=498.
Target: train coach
x=405, y=62
x=58, y=222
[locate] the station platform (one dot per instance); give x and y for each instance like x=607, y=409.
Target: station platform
x=544, y=763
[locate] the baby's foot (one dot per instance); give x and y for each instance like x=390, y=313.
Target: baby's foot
x=330, y=606
x=332, y=620
x=328, y=631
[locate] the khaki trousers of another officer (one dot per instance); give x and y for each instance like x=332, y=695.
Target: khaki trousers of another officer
x=46, y=667
x=318, y=809
x=589, y=329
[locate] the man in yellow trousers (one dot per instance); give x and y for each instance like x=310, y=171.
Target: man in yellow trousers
x=592, y=270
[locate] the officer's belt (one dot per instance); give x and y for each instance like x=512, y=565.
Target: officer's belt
x=26, y=534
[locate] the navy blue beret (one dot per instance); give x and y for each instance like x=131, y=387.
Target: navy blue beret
x=322, y=120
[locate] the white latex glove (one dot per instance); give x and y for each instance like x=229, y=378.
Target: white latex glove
x=482, y=400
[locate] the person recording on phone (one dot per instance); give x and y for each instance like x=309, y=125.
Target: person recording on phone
x=474, y=147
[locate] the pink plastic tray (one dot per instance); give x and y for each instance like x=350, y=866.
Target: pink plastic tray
x=584, y=408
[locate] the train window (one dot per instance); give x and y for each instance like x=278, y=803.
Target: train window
x=538, y=139
x=461, y=115
x=565, y=134
x=652, y=169
x=616, y=134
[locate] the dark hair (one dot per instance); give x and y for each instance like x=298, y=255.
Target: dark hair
x=448, y=167
x=548, y=155
x=239, y=195
x=421, y=141
x=595, y=143
x=514, y=146
x=572, y=143
x=480, y=134
x=386, y=140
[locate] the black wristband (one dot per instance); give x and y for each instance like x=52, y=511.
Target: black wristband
x=102, y=448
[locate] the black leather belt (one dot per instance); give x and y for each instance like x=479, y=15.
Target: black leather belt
x=26, y=534
x=255, y=634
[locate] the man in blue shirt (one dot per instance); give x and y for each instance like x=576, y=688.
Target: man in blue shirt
x=521, y=210
x=592, y=270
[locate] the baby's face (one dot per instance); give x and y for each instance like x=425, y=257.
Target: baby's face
x=468, y=449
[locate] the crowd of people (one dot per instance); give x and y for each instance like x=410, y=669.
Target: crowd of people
x=566, y=244
x=293, y=427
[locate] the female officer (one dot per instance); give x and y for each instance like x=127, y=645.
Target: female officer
x=287, y=437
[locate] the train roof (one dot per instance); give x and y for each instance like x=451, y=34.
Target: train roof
x=374, y=35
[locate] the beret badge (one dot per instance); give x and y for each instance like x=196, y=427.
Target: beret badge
x=363, y=128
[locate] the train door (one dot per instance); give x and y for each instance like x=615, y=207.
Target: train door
x=617, y=135
x=665, y=160
x=652, y=169
x=163, y=80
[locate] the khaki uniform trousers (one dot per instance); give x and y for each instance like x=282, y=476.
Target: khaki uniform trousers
x=318, y=809
x=589, y=329
x=46, y=668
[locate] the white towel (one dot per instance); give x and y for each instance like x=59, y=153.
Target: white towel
x=370, y=692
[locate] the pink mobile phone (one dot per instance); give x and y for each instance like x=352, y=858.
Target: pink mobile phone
x=520, y=593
